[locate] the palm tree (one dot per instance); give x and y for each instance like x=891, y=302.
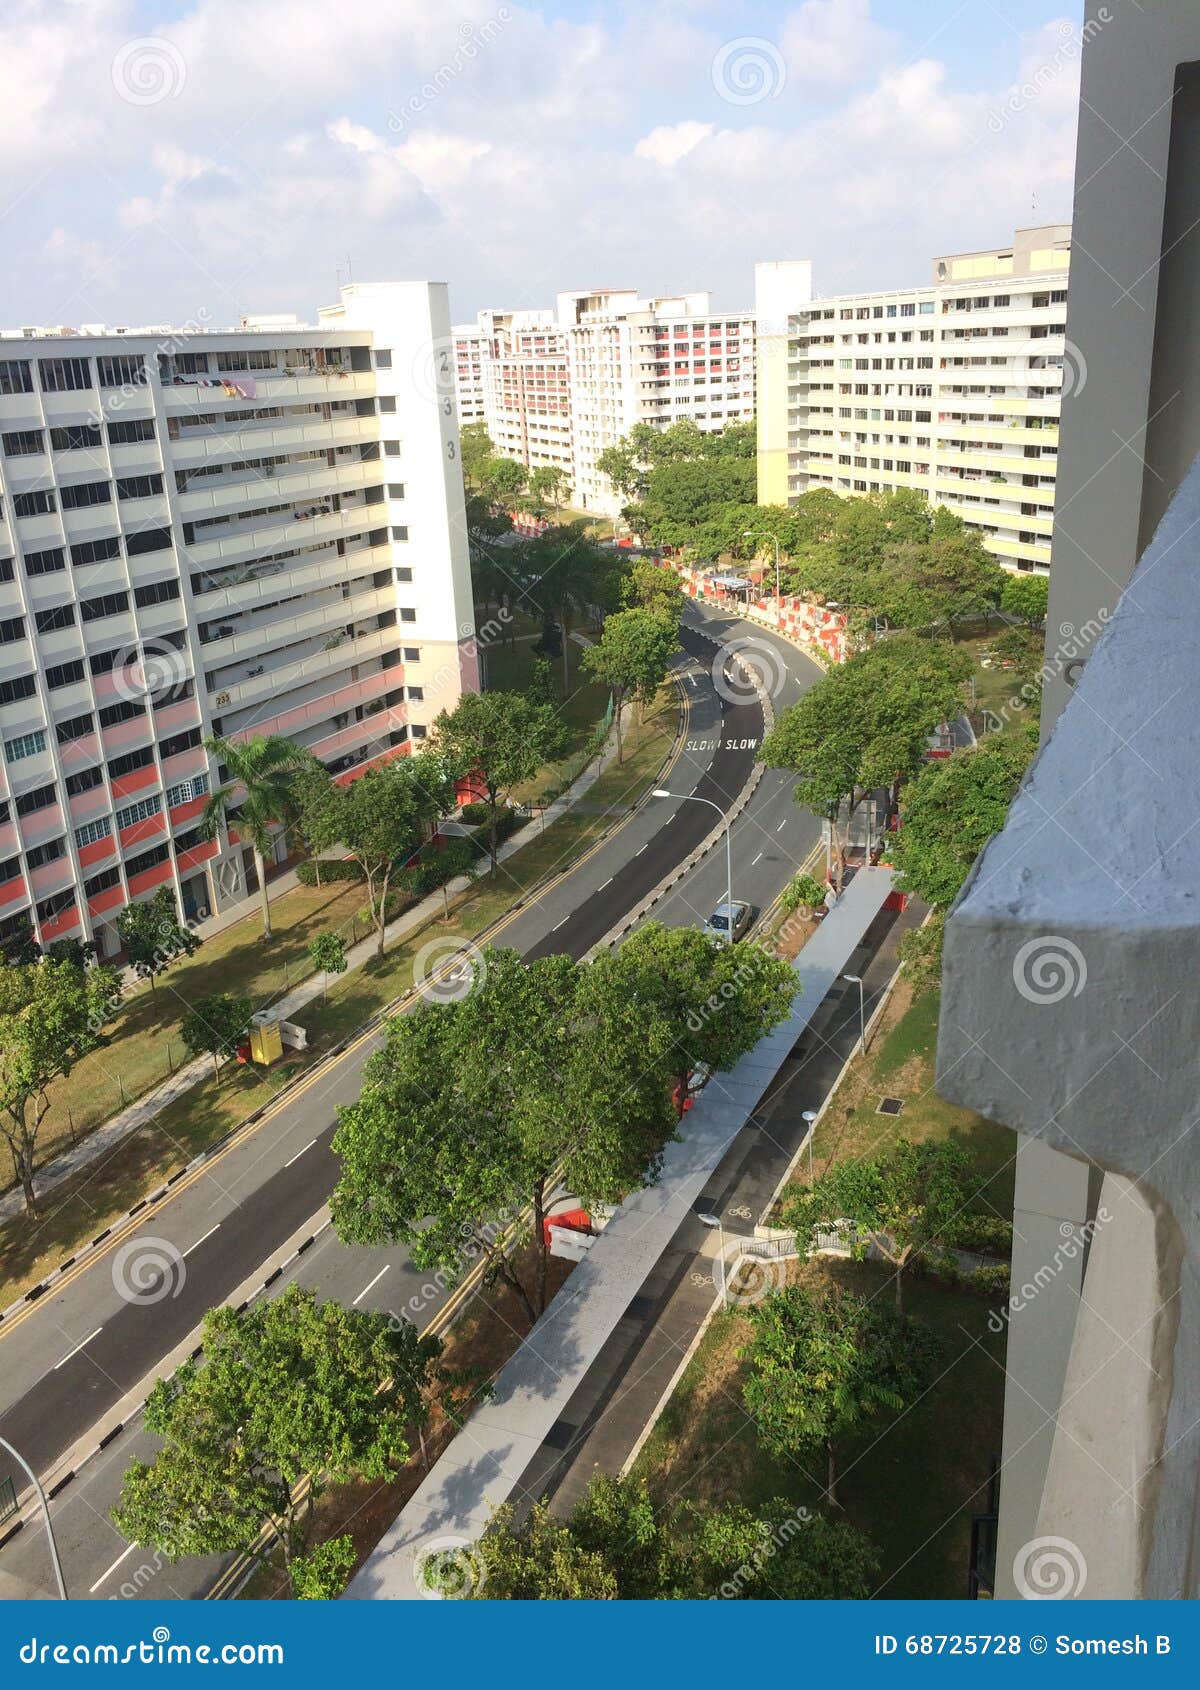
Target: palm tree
x=265, y=768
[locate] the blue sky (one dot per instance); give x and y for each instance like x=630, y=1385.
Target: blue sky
x=177, y=162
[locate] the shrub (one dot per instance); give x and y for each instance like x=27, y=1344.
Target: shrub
x=332, y=868
x=990, y=1281
x=804, y=891
x=473, y=814
x=989, y=1234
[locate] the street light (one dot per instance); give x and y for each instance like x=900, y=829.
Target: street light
x=41, y=1496
x=714, y=1222
x=765, y=534
x=856, y=980
x=691, y=798
x=809, y=1116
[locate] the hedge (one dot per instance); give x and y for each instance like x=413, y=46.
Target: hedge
x=473, y=814
x=332, y=868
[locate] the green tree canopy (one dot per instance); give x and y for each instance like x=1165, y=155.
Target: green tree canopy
x=1026, y=596
x=499, y=739
x=632, y=658
x=475, y=451
x=216, y=1025
x=51, y=1013
x=951, y=810
x=263, y=770
x=153, y=936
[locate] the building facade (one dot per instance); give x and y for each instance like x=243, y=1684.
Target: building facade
x=205, y=532
x=560, y=386
x=953, y=388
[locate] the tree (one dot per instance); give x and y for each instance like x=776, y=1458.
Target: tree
x=153, y=935
x=318, y=811
x=908, y=1197
x=550, y=484
x=217, y=1025
x=866, y=724
x=501, y=479
x=445, y=1148
x=1026, y=597
x=717, y=1000
x=822, y=1367
x=475, y=451
x=291, y=1395
x=652, y=586
x=778, y=1553
x=950, y=811
x=51, y=1014
x=499, y=739
x=436, y=865
x=632, y=658
x=538, y=1560
x=383, y=816
x=321, y=1575
x=265, y=769
x=949, y=580
x=328, y=953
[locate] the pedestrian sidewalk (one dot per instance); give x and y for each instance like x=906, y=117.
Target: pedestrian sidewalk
x=483, y=1467
x=98, y=1143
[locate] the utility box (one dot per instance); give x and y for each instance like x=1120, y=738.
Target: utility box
x=266, y=1043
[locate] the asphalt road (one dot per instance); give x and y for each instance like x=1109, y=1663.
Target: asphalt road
x=77, y=1352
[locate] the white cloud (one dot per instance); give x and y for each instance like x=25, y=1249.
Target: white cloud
x=667, y=144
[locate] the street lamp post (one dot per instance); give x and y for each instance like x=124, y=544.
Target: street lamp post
x=715, y=1222
x=809, y=1116
x=765, y=534
x=691, y=798
x=41, y=1496
x=856, y=980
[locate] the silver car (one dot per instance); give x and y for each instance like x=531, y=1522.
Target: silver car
x=729, y=921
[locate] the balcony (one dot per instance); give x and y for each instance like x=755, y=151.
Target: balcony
x=291, y=722
x=317, y=662
x=47, y=823
x=265, y=439
x=255, y=635
x=1068, y=1012
x=150, y=878
x=243, y=541
x=51, y=877
x=304, y=484
x=263, y=583
x=192, y=858
x=267, y=388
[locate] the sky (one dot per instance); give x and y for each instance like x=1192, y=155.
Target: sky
x=174, y=164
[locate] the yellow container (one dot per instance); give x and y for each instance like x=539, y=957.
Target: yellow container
x=266, y=1044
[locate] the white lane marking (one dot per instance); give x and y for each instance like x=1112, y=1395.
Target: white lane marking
x=370, y=1287
x=123, y=1555
x=559, y=924
x=640, y=849
x=608, y=882
x=299, y=1153
x=200, y=1241
x=782, y=825
x=77, y=1349
x=757, y=859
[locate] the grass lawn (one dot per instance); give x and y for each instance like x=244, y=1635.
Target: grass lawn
x=998, y=693
x=911, y=1485
x=75, y=1211
x=509, y=669
x=899, y=1063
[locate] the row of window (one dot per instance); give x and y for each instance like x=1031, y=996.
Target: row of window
x=71, y=375
x=79, y=437
x=44, y=501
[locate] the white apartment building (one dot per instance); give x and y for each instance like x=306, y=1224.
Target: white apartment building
x=237, y=532
x=560, y=386
x=468, y=373
x=953, y=388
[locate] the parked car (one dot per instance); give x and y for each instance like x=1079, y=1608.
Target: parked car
x=729, y=921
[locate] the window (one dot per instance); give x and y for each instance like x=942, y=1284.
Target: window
x=49, y=621
x=121, y=371
x=75, y=727
x=417, y=730
x=81, y=438
x=25, y=745
x=24, y=443
x=15, y=376
x=395, y=489
x=95, y=551
x=387, y=403
x=383, y=360
x=146, y=859
x=50, y=852
x=186, y=841
x=412, y=654
x=58, y=903
x=139, y=486
x=91, y=832
x=40, y=503
x=124, y=711
x=29, y=803
x=391, y=448
x=139, y=812
x=130, y=763
x=157, y=592
x=65, y=674
x=416, y=693
x=175, y=743
x=185, y=790
x=47, y=562
x=926, y=307
x=85, y=494
x=147, y=540
x=108, y=604
x=83, y=782
x=6, y=569
x=102, y=882
x=407, y=614
x=10, y=869
x=129, y=433
x=64, y=375
x=400, y=534
x=404, y=574
x=103, y=662
x=12, y=692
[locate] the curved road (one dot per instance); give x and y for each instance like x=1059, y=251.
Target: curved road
x=78, y=1351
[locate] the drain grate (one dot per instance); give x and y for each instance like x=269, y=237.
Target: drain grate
x=639, y=1308
x=890, y=1105
x=560, y=1434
